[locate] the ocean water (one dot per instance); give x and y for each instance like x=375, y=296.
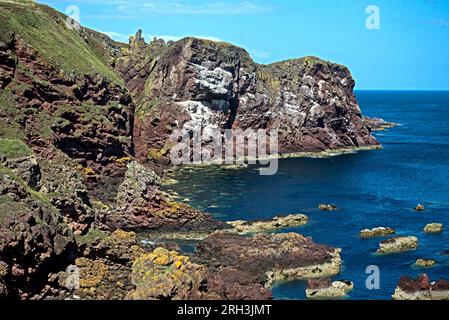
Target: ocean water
x=371, y=189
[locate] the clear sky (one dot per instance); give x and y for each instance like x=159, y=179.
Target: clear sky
x=410, y=51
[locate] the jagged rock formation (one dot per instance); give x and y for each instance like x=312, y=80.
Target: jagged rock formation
x=270, y=258
x=141, y=205
x=421, y=289
x=78, y=109
x=213, y=85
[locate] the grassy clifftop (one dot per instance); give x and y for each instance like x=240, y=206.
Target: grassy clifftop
x=80, y=51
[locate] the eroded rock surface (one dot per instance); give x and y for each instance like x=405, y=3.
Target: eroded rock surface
x=280, y=222
x=326, y=289
x=270, y=258
x=421, y=289
x=398, y=245
x=376, y=232
x=141, y=205
x=195, y=83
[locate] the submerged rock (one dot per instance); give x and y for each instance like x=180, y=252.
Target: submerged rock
x=398, y=245
x=326, y=289
x=327, y=207
x=425, y=263
x=434, y=228
x=420, y=207
x=421, y=289
x=377, y=124
x=376, y=232
x=290, y=221
x=270, y=257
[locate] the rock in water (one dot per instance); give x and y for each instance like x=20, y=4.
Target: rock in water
x=398, y=245
x=420, y=207
x=425, y=263
x=376, y=232
x=421, y=289
x=270, y=257
x=327, y=207
x=325, y=289
x=433, y=228
x=290, y=221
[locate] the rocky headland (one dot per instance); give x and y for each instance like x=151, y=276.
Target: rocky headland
x=85, y=126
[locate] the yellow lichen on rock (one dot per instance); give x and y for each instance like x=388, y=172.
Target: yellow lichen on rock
x=92, y=272
x=165, y=274
x=123, y=235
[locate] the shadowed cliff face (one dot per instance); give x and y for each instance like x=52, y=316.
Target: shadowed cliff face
x=195, y=83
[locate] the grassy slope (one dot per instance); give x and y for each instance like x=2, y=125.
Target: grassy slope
x=45, y=29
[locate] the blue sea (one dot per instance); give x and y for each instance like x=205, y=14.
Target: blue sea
x=371, y=189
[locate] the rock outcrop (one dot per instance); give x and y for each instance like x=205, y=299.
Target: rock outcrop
x=270, y=258
x=34, y=240
x=398, y=245
x=280, y=222
x=165, y=274
x=425, y=263
x=208, y=85
x=326, y=289
x=327, y=207
x=434, y=228
x=421, y=289
x=376, y=232
x=83, y=118
x=141, y=205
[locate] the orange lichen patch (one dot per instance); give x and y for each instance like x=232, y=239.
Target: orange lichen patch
x=123, y=235
x=92, y=272
x=89, y=172
x=122, y=161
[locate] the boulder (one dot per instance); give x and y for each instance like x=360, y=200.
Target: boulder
x=398, y=245
x=425, y=263
x=421, y=289
x=327, y=207
x=325, y=289
x=376, y=232
x=433, y=228
x=420, y=207
x=290, y=221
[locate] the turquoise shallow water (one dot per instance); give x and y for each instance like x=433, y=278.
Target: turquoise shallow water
x=371, y=189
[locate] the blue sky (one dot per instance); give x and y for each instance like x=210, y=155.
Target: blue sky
x=410, y=51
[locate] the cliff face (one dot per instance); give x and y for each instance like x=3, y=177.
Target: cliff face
x=77, y=109
x=195, y=83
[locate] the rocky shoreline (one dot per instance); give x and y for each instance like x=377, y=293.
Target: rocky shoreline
x=85, y=135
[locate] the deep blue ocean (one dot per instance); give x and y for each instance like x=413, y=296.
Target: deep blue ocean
x=371, y=189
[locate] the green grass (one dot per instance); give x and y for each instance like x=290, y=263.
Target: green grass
x=91, y=236
x=45, y=30
x=14, y=148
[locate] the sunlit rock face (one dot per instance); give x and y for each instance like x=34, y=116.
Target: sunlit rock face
x=195, y=83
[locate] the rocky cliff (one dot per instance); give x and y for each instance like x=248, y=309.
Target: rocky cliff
x=83, y=119
x=202, y=84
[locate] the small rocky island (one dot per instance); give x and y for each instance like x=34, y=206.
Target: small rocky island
x=84, y=141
